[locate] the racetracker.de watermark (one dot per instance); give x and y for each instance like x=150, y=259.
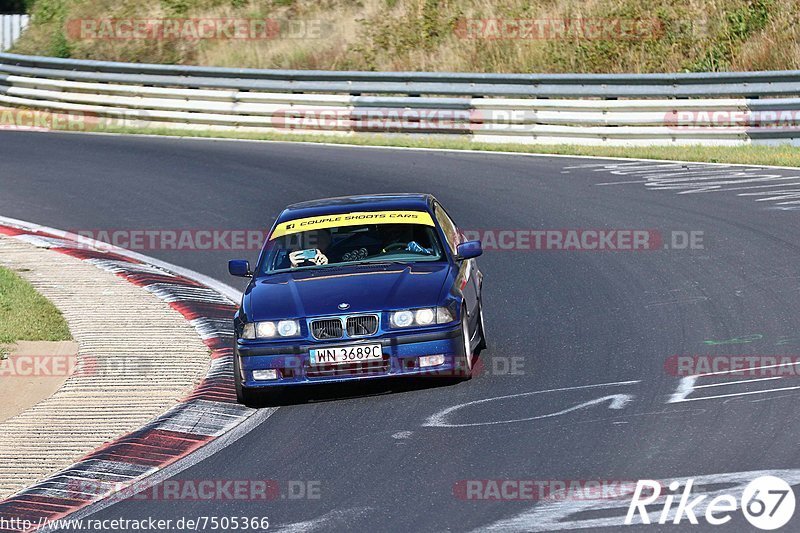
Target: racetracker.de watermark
x=744, y=119
x=68, y=365
x=170, y=239
x=542, y=489
x=378, y=119
x=495, y=365
x=47, y=365
x=584, y=239
x=40, y=120
x=522, y=239
x=244, y=490
x=559, y=29
x=195, y=29
x=733, y=366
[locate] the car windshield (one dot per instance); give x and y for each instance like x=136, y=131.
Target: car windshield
x=329, y=245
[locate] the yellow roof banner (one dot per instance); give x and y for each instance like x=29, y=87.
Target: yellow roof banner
x=351, y=219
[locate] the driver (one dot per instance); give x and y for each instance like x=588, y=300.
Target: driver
x=400, y=237
x=315, y=243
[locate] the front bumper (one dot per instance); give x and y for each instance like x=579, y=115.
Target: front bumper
x=401, y=353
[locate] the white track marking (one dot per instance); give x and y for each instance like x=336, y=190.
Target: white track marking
x=571, y=514
x=765, y=186
x=687, y=385
x=723, y=372
x=694, y=178
x=689, y=300
x=621, y=182
x=720, y=384
x=617, y=401
x=771, y=398
x=685, y=388
x=734, y=394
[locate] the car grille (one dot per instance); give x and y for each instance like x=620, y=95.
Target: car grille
x=333, y=328
x=362, y=325
x=328, y=328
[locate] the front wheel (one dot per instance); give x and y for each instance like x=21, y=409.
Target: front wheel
x=482, y=330
x=463, y=366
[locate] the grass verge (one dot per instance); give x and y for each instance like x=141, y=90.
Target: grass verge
x=27, y=315
x=780, y=155
x=440, y=35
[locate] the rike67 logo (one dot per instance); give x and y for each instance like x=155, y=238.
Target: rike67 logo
x=767, y=503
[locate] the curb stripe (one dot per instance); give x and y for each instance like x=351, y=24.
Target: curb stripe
x=206, y=414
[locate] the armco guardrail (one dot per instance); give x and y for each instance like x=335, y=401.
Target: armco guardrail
x=11, y=27
x=714, y=108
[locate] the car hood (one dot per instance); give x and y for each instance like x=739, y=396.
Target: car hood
x=308, y=293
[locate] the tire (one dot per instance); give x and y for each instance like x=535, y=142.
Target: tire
x=482, y=328
x=244, y=395
x=463, y=370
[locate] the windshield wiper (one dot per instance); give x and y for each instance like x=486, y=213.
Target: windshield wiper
x=383, y=262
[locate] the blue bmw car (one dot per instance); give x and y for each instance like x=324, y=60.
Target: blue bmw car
x=355, y=288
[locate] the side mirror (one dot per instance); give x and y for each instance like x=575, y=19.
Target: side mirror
x=239, y=268
x=468, y=250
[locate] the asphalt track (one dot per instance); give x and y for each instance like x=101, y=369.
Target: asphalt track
x=586, y=325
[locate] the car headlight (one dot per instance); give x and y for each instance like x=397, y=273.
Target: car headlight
x=269, y=330
x=288, y=328
x=402, y=319
x=420, y=317
x=443, y=315
x=423, y=317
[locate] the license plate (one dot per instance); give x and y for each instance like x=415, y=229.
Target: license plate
x=339, y=355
